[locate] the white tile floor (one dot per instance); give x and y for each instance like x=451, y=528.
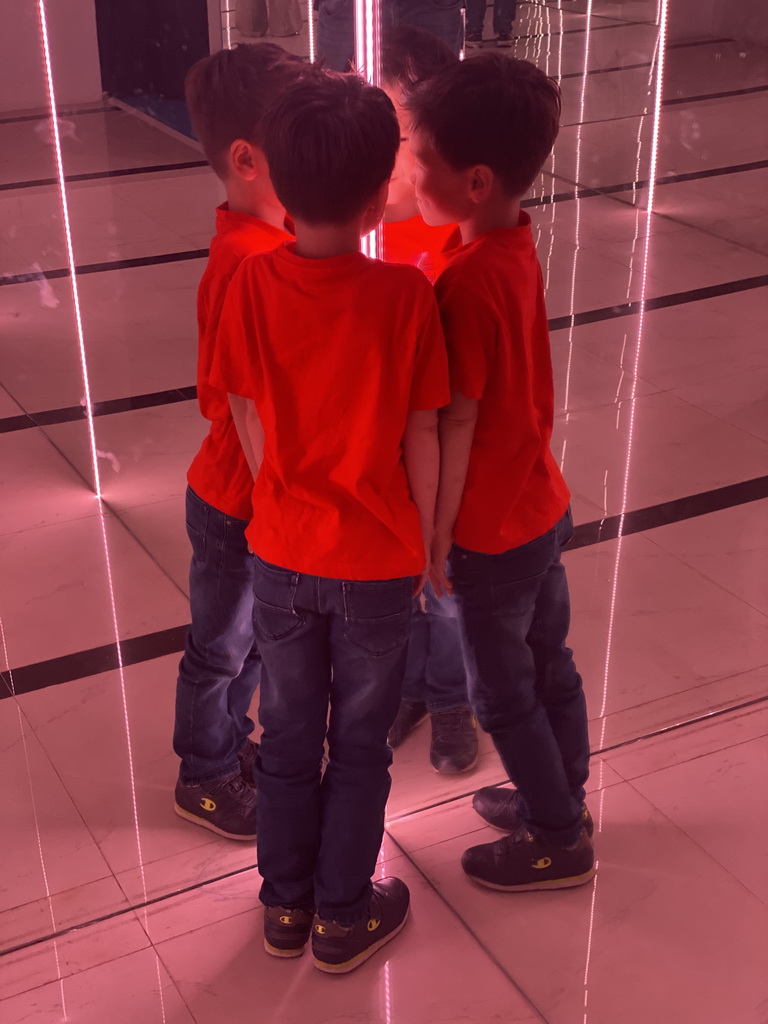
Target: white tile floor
x=112, y=908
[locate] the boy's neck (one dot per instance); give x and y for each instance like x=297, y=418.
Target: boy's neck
x=242, y=200
x=324, y=241
x=490, y=216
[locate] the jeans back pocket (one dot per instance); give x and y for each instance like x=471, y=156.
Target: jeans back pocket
x=377, y=614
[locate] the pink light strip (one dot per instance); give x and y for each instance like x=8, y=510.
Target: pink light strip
x=311, y=30
x=368, y=63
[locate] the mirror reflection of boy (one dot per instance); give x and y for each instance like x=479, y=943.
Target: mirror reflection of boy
x=435, y=684
x=336, y=367
x=228, y=94
x=483, y=130
x=504, y=13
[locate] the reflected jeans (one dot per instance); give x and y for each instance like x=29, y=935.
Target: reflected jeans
x=336, y=25
x=338, y=642
x=504, y=12
x=434, y=671
x=220, y=669
x=526, y=692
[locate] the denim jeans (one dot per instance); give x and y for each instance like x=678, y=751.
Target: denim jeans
x=504, y=13
x=325, y=641
x=220, y=669
x=525, y=689
x=336, y=25
x=434, y=670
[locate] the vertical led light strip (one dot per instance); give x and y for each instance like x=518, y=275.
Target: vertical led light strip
x=45, y=42
x=652, y=174
x=368, y=64
x=68, y=237
x=311, y=30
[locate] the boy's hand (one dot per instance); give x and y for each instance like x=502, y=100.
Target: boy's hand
x=442, y=543
x=421, y=582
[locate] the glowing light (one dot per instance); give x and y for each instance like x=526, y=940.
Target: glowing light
x=68, y=237
x=226, y=21
x=311, y=30
x=368, y=63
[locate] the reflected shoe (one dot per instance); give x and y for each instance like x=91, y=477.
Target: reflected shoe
x=247, y=757
x=525, y=861
x=473, y=39
x=455, y=744
x=287, y=930
x=499, y=807
x=226, y=806
x=504, y=40
x=409, y=715
x=339, y=948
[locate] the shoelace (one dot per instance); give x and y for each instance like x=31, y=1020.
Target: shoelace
x=451, y=721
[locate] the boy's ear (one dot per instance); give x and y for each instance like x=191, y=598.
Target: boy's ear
x=246, y=160
x=379, y=203
x=480, y=181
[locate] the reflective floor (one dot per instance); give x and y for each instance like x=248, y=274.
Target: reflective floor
x=111, y=907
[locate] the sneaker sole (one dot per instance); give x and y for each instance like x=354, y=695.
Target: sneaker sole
x=356, y=961
x=555, y=883
x=509, y=831
x=284, y=954
x=188, y=816
x=457, y=771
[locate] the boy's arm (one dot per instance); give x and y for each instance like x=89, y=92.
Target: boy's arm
x=249, y=431
x=421, y=454
x=457, y=429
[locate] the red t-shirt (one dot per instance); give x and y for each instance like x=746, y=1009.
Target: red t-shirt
x=219, y=473
x=335, y=353
x=491, y=299
x=415, y=242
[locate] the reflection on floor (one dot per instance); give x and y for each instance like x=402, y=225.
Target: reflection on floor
x=111, y=908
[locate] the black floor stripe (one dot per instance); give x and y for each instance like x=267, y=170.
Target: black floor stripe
x=121, y=172
x=102, y=268
x=714, y=96
x=138, y=649
x=61, y=113
x=69, y=414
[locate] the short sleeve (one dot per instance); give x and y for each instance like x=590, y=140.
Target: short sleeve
x=235, y=366
x=470, y=332
x=429, y=386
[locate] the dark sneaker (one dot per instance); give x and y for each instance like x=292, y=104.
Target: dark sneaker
x=454, y=740
x=498, y=807
x=339, y=948
x=409, y=715
x=473, y=38
x=226, y=806
x=247, y=758
x=287, y=930
x=524, y=861
x=503, y=40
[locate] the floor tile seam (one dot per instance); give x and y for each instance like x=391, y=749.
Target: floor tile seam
x=737, y=717
x=472, y=933
x=701, y=229
x=710, y=856
x=131, y=533
x=177, y=988
x=762, y=612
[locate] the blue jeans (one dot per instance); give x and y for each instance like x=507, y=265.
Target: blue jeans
x=504, y=12
x=526, y=692
x=325, y=641
x=336, y=25
x=434, y=670
x=220, y=669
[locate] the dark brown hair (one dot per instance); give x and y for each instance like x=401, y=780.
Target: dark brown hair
x=331, y=142
x=229, y=92
x=491, y=110
x=409, y=56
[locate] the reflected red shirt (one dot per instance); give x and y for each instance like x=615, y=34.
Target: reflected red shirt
x=415, y=242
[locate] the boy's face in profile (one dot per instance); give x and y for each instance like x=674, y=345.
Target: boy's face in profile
x=441, y=192
x=400, y=185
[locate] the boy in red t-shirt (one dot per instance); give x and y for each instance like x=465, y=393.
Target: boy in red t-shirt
x=483, y=130
x=435, y=683
x=228, y=94
x=336, y=366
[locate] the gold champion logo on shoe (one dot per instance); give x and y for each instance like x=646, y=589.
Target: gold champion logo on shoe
x=285, y=919
x=373, y=924
x=543, y=862
x=207, y=805
x=320, y=929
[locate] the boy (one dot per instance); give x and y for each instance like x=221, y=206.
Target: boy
x=228, y=94
x=483, y=130
x=335, y=366
x=435, y=683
